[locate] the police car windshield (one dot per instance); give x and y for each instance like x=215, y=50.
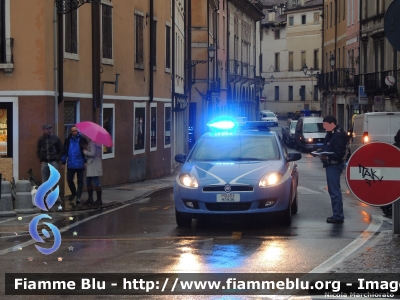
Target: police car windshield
x=313, y=127
x=235, y=148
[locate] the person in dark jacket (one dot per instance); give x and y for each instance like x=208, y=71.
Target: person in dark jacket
x=387, y=209
x=336, y=143
x=48, y=150
x=75, y=159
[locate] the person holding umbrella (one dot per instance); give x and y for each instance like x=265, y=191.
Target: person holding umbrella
x=94, y=169
x=75, y=159
x=98, y=136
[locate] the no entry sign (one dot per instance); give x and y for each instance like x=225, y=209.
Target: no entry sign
x=373, y=173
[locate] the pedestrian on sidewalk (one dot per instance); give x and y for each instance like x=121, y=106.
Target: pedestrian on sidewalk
x=94, y=169
x=75, y=159
x=336, y=143
x=49, y=149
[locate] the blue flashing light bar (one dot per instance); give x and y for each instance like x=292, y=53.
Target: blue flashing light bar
x=223, y=124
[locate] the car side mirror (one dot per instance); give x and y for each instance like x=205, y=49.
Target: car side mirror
x=293, y=156
x=180, y=158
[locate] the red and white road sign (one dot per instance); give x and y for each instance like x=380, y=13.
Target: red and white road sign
x=373, y=173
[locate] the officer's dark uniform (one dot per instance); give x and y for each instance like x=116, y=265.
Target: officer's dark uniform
x=336, y=142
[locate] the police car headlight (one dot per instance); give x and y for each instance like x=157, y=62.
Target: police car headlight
x=270, y=179
x=188, y=180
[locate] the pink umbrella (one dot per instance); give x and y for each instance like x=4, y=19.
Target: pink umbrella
x=95, y=132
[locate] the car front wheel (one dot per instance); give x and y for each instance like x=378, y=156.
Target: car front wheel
x=287, y=215
x=182, y=219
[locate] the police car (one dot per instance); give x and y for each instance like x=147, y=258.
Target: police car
x=233, y=170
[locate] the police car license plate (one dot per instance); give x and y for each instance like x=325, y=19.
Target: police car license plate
x=320, y=144
x=228, y=197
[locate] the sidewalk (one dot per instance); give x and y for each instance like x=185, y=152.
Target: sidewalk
x=120, y=194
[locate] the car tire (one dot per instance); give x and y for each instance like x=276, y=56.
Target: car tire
x=287, y=215
x=295, y=205
x=182, y=219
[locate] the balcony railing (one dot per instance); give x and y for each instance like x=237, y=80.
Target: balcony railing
x=215, y=86
x=245, y=70
x=336, y=78
x=234, y=67
x=373, y=82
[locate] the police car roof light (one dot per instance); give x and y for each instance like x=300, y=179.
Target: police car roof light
x=223, y=124
x=258, y=125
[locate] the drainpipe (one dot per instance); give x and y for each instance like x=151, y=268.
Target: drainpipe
x=151, y=81
x=60, y=57
x=173, y=125
x=96, y=58
x=335, y=53
x=55, y=72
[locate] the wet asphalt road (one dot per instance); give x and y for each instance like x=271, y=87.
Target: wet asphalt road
x=142, y=237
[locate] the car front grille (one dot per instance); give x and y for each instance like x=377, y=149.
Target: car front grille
x=234, y=188
x=228, y=206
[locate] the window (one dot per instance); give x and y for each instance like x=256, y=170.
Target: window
x=277, y=67
x=139, y=40
x=71, y=35
x=316, y=17
x=290, y=61
x=71, y=109
x=109, y=125
x=154, y=43
x=344, y=10
x=330, y=13
x=106, y=33
x=303, y=59
x=291, y=21
x=223, y=32
x=303, y=19
x=167, y=125
x=153, y=126
x=352, y=12
x=276, y=93
x=290, y=93
x=316, y=59
x=139, y=127
x=326, y=16
x=277, y=33
x=303, y=93
x=365, y=51
x=315, y=94
x=349, y=13
x=167, y=47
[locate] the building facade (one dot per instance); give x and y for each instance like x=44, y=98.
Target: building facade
x=244, y=81
x=378, y=59
x=291, y=43
x=59, y=67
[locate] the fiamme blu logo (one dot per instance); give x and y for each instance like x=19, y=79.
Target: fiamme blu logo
x=51, y=199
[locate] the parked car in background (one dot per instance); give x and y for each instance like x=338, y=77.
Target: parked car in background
x=288, y=133
x=373, y=127
x=269, y=116
x=310, y=133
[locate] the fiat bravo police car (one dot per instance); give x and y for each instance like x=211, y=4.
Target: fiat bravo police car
x=233, y=170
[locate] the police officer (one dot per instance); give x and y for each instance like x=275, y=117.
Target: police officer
x=335, y=142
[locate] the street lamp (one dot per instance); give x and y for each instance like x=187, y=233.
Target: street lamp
x=305, y=71
x=211, y=54
x=332, y=61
